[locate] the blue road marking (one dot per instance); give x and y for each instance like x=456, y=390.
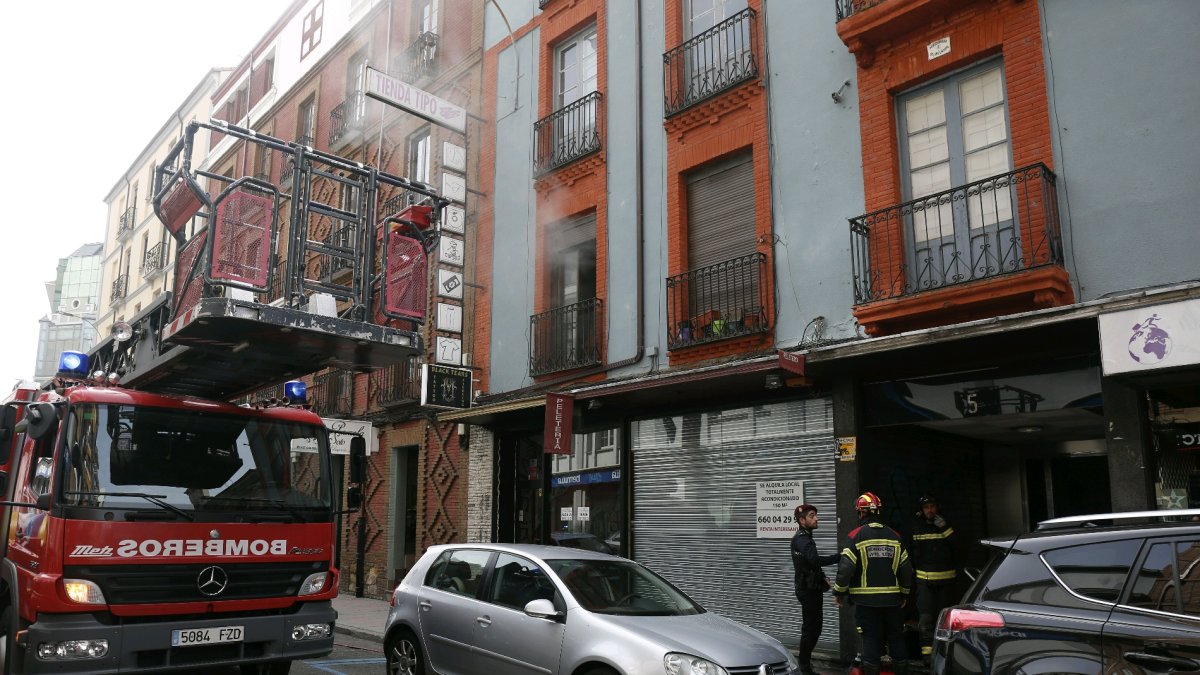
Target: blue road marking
x=323, y=665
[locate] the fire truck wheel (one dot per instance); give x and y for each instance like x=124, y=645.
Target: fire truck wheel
x=274, y=668
x=8, y=646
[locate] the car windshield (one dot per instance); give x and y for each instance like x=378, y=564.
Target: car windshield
x=136, y=457
x=621, y=587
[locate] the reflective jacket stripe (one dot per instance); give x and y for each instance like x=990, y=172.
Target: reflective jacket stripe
x=937, y=535
x=936, y=576
x=858, y=590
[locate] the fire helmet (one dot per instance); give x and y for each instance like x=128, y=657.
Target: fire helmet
x=867, y=502
x=927, y=499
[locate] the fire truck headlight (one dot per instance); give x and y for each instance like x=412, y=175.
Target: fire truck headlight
x=84, y=592
x=311, y=631
x=72, y=649
x=315, y=583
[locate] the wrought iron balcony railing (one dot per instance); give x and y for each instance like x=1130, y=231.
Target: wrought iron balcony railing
x=848, y=8
x=127, y=221
x=331, y=393
x=398, y=384
x=348, y=117
x=155, y=259
x=720, y=58
x=718, y=302
x=566, y=338
x=420, y=60
x=991, y=227
x=567, y=134
x=119, y=285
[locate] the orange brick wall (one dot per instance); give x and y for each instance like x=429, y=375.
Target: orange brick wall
x=733, y=121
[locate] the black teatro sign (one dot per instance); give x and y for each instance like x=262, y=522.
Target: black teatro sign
x=443, y=387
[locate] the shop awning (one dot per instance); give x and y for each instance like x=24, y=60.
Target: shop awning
x=480, y=413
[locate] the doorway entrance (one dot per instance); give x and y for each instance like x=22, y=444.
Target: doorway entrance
x=402, y=549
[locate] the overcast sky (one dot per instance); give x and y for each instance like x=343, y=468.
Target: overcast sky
x=87, y=85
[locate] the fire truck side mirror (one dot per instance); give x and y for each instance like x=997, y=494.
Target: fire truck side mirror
x=8, y=421
x=354, y=498
x=358, y=459
x=42, y=417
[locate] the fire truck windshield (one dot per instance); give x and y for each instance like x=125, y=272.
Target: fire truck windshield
x=192, y=461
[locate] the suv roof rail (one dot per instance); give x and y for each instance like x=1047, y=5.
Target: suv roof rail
x=1084, y=521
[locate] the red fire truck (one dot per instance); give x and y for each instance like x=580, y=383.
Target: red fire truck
x=150, y=524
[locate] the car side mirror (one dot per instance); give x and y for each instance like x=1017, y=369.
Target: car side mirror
x=542, y=609
x=41, y=418
x=43, y=502
x=358, y=459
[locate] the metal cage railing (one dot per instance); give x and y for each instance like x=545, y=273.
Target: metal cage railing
x=718, y=59
x=717, y=302
x=567, y=337
x=568, y=134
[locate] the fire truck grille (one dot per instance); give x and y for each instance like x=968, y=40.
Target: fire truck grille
x=134, y=584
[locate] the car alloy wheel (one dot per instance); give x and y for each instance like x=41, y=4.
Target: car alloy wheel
x=404, y=656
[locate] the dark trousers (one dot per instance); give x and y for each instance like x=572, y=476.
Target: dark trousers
x=881, y=625
x=932, y=598
x=811, y=604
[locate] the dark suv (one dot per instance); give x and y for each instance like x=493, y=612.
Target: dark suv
x=1113, y=593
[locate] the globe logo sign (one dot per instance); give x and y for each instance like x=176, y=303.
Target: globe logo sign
x=1149, y=344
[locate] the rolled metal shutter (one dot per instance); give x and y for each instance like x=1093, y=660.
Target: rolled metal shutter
x=694, y=507
x=721, y=212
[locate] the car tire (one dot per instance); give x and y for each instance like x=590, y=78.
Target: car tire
x=273, y=668
x=403, y=652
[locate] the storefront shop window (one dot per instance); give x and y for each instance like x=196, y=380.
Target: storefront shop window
x=586, y=494
x=1176, y=421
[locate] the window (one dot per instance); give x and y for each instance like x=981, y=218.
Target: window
x=516, y=582
x=306, y=121
x=458, y=571
x=310, y=35
x=1169, y=579
x=418, y=155
x=1096, y=571
x=590, y=451
x=701, y=15
x=150, y=180
x=575, y=68
x=954, y=133
x=428, y=16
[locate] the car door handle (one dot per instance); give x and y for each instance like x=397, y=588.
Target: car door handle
x=425, y=605
x=484, y=621
x=1161, y=662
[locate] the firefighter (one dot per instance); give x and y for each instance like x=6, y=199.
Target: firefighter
x=811, y=583
x=933, y=559
x=874, y=571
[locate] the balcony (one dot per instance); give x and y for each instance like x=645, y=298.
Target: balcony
x=864, y=25
x=567, y=134
x=119, y=286
x=419, y=62
x=937, y=254
x=566, y=338
x=398, y=384
x=127, y=221
x=718, y=59
x=331, y=393
x=349, y=119
x=718, y=302
x=154, y=260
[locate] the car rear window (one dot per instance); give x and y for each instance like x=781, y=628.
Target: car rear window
x=1025, y=578
x=1097, y=571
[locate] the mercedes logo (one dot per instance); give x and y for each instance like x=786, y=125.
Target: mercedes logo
x=212, y=581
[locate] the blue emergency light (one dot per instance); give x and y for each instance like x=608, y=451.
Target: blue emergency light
x=73, y=364
x=295, y=390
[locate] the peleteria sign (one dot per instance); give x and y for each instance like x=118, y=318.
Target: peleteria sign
x=1151, y=338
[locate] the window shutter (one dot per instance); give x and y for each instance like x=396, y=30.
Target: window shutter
x=721, y=212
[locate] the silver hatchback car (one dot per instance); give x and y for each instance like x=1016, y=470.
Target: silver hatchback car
x=511, y=609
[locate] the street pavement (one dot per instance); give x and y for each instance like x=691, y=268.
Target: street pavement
x=361, y=617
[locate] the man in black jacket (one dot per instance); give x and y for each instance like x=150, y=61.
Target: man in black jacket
x=933, y=559
x=811, y=582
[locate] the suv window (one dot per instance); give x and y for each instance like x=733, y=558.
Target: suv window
x=1097, y=571
x=458, y=572
x=1026, y=579
x=1169, y=578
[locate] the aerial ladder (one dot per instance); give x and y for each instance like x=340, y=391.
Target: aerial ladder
x=326, y=269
